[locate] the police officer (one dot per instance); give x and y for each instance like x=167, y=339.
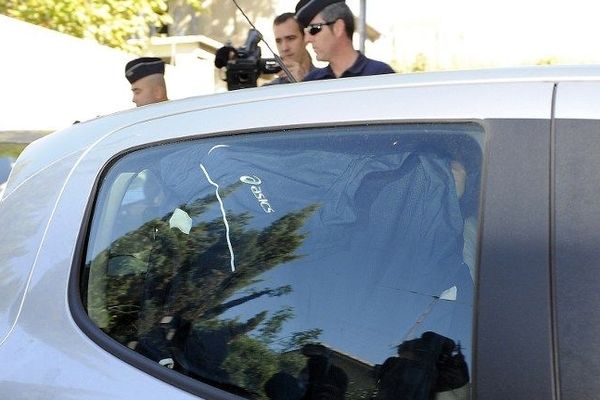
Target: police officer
x=329, y=26
x=146, y=75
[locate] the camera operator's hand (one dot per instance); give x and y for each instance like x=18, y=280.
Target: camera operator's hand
x=295, y=69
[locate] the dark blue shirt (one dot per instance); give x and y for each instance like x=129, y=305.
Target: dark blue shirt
x=363, y=66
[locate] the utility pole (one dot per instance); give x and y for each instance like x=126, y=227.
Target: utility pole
x=362, y=25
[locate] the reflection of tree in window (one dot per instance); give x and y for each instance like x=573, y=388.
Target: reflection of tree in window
x=166, y=290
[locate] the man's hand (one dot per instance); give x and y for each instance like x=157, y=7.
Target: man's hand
x=295, y=69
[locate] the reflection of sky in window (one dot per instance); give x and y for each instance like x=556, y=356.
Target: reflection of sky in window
x=351, y=282
x=366, y=321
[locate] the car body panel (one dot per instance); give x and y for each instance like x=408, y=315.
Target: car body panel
x=514, y=273
x=575, y=265
x=27, y=219
x=577, y=100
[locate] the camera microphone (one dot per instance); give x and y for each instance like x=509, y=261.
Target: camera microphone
x=223, y=55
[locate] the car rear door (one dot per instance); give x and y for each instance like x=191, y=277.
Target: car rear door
x=512, y=316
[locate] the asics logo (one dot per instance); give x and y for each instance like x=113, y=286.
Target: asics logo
x=255, y=182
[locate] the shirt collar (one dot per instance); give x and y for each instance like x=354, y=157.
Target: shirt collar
x=354, y=70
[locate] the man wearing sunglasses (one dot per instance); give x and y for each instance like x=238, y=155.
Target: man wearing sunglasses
x=329, y=26
x=289, y=37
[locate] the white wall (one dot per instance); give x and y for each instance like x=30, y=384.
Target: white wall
x=48, y=79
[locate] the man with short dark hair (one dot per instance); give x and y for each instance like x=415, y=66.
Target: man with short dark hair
x=289, y=38
x=329, y=26
x=146, y=75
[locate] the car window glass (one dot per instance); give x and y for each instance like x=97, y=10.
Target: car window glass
x=316, y=263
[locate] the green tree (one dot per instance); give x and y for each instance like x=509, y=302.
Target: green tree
x=109, y=22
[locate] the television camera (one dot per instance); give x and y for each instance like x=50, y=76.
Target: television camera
x=244, y=65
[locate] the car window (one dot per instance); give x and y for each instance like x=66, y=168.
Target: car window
x=311, y=263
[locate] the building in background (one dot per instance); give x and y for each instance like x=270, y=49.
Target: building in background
x=190, y=63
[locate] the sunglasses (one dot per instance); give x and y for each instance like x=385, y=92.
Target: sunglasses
x=313, y=29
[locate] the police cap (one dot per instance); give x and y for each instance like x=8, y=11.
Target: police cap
x=142, y=67
x=306, y=10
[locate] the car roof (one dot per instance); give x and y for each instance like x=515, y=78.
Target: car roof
x=75, y=139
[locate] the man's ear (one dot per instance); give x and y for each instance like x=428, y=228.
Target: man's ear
x=157, y=93
x=339, y=27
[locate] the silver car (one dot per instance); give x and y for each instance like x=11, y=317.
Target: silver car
x=426, y=236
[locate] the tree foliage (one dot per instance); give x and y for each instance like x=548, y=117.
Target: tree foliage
x=109, y=22
x=155, y=271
